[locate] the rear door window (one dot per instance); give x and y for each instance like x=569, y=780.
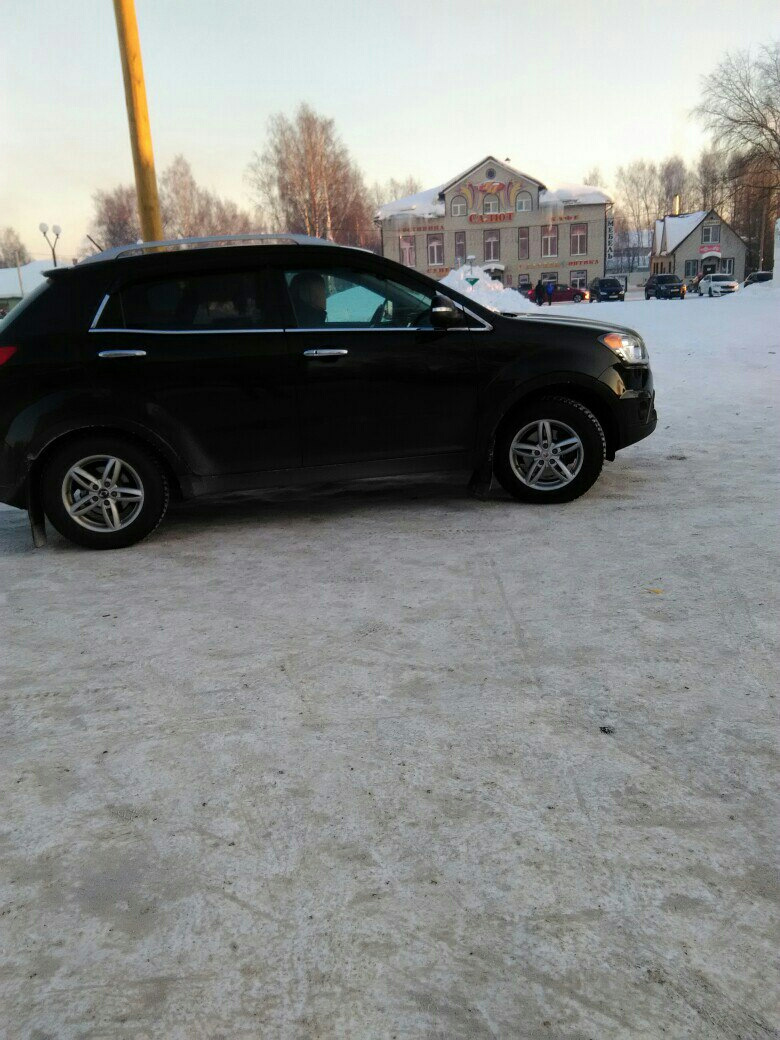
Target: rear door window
x=218, y=301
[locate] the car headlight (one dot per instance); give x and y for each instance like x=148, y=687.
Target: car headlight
x=628, y=347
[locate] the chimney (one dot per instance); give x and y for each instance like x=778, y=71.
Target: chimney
x=676, y=206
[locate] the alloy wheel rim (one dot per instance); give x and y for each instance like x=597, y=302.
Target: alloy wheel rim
x=102, y=493
x=546, y=455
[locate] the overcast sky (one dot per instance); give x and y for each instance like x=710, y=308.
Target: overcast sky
x=422, y=88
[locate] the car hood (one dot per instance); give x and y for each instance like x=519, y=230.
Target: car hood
x=599, y=327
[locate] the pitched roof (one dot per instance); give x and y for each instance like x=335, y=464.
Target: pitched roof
x=491, y=159
x=430, y=203
x=671, y=230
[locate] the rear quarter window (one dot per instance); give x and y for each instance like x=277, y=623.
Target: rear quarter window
x=204, y=302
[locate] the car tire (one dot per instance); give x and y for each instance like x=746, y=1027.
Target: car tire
x=711, y=292
x=577, y=297
x=647, y=296
x=126, y=506
x=548, y=422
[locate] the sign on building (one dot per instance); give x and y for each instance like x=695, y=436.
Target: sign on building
x=610, y=238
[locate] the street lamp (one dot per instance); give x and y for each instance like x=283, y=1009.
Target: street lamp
x=56, y=231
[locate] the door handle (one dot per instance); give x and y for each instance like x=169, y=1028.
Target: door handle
x=122, y=353
x=324, y=352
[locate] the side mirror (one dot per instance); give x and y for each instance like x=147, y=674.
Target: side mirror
x=444, y=313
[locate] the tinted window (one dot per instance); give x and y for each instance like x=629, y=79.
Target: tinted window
x=722, y=278
x=667, y=279
x=217, y=301
x=344, y=298
x=611, y=283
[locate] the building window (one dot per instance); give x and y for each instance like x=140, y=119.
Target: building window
x=710, y=233
x=579, y=279
x=435, y=250
x=408, y=250
x=691, y=268
x=490, y=205
x=460, y=248
x=459, y=207
x=523, y=202
x=492, y=246
x=491, y=173
x=549, y=276
x=522, y=243
x=727, y=265
x=579, y=240
x=550, y=240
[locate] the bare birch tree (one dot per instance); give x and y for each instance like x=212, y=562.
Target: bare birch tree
x=12, y=250
x=188, y=211
x=307, y=183
x=741, y=104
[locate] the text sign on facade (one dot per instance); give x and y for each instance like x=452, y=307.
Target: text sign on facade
x=711, y=247
x=489, y=218
x=610, y=238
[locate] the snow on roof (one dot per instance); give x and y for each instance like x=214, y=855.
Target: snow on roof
x=423, y=204
x=32, y=276
x=658, y=236
x=677, y=229
x=428, y=204
x=574, y=195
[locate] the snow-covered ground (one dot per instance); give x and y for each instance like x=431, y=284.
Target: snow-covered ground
x=388, y=761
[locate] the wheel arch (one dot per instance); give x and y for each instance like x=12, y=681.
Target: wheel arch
x=583, y=394
x=162, y=452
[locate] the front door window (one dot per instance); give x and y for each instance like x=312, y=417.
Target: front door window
x=340, y=298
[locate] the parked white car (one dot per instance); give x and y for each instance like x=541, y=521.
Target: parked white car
x=718, y=284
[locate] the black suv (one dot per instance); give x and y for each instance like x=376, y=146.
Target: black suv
x=664, y=287
x=138, y=375
x=606, y=289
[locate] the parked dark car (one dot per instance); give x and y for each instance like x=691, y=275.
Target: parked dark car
x=758, y=276
x=130, y=379
x=664, y=287
x=606, y=289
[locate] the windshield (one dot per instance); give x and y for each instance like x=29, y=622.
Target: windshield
x=722, y=278
x=610, y=283
x=667, y=279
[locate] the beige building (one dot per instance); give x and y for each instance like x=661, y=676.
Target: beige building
x=510, y=223
x=694, y=244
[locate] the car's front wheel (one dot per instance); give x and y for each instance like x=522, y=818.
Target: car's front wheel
x=577, y=297
x=103, y=492
x=549, y=451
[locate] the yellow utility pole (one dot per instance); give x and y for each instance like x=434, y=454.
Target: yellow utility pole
x=138, y=118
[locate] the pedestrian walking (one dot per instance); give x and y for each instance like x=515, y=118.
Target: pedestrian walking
x=550, y=289
x=539, y=292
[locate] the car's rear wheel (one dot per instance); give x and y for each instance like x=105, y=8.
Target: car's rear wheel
x=549, y=451
x=103, y=492
x=577, y=297
x=711, y=292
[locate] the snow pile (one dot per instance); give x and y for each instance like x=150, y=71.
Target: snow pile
x=423, y=204
x=32, y=276
x=574, y=195
x=486, y=291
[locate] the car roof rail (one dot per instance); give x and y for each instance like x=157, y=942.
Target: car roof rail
x=281, y=238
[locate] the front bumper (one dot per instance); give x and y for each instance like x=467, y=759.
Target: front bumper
x=634, y=412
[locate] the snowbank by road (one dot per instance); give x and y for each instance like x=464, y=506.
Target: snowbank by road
x=485, y=290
